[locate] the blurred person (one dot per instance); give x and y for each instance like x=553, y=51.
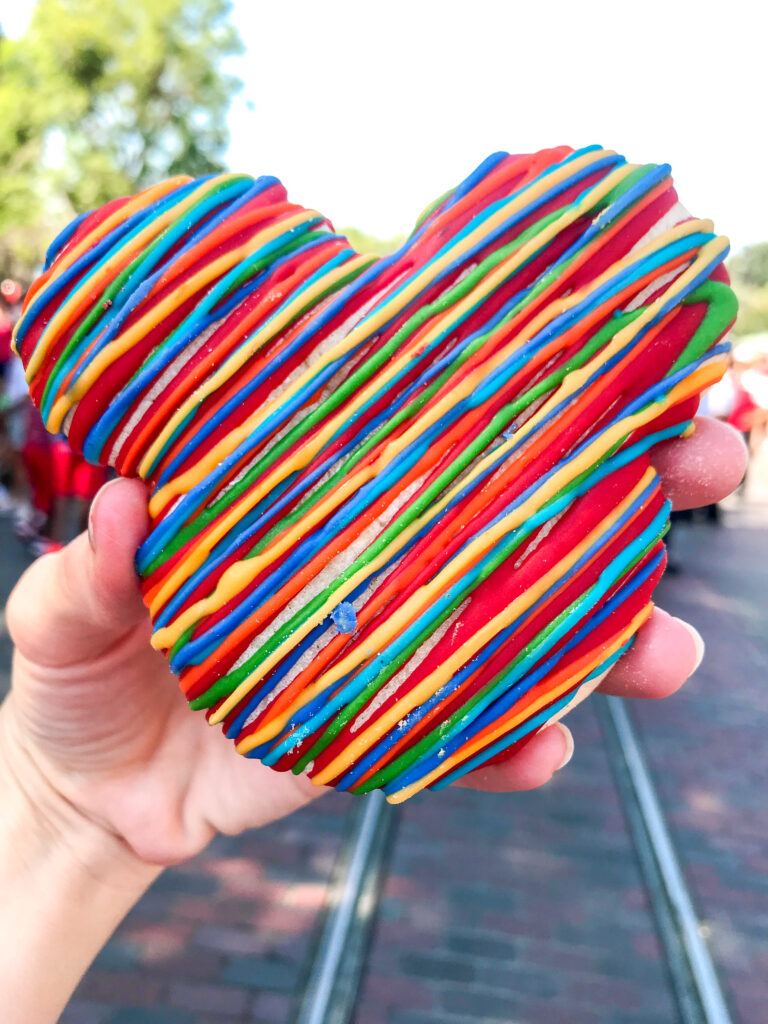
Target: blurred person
x=18, y=413
x=11, y=468
x=11, y=294
x=754, y=381
x=749, y=413
x=62, y=486
x=715, y=403
x=25, y=447
x=744, y=408
x=50, y=486
x=37, y=454
x=16, y=408
x=75, y=483
x=718, y=402
x=6, y=449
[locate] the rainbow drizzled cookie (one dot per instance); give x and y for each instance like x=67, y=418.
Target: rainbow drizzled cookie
x=402, y=509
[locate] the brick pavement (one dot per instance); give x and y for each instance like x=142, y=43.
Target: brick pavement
x=707, y=746
x=226, y=938
x=526, y=909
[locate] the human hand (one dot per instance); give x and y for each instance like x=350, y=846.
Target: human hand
x=97, y=710
x=105, y=776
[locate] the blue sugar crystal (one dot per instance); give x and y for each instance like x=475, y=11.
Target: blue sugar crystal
x=344, y=617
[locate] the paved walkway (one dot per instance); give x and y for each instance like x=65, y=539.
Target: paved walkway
x=496, y=910
x=526, y=908
x=228, y=937
x=709, y=751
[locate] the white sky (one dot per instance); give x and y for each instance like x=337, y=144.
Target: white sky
x=369, y=109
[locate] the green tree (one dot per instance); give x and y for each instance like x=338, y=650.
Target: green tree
x=369, y=243
x=749, y=276
x=102, y=97
x=750, y=266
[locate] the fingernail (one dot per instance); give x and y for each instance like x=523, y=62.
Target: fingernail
x=92, y=509
x=697, y=640
x=568, y=737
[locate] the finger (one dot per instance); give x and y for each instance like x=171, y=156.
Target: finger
x=665, y=653
x=78, y=601
x=702, y=468
x=527, y=768
x=117, y=525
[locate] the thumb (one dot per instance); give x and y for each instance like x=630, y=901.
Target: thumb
x=74, y=604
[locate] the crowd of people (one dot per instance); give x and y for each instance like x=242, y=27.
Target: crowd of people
x=44, y=486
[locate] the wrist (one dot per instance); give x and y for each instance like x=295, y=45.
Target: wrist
x=67, y=883
x=52, y=823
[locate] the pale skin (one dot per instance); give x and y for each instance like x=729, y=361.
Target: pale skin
x=106, y=777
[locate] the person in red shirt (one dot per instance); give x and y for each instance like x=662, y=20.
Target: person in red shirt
x=74, y=483
x=51, y=486
x=742, y=415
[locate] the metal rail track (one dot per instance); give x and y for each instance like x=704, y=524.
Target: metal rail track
x=695, y=983
x=331, y=990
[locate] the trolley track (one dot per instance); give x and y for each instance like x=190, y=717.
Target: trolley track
x=333, y=983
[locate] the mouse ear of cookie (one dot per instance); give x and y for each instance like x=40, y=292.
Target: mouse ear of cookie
x=403, y=512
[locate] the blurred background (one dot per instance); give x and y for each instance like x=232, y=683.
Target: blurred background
x=633, y=889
